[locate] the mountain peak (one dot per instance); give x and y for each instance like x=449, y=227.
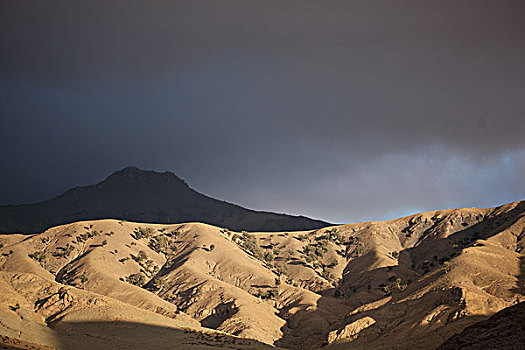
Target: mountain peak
x=146, y=196
x=134, y=173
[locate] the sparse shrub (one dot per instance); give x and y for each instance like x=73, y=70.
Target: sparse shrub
x=268, y=256
x=136, y=279
x=212, y=247
x=15, y=307
x=158, y=283
x=386, y=289
x=249, y=243
x=123, y=260
x=159, y=244
x=310, y=257
x=104, y=242
x=395, y=255
x=333, y=264
x=63, y=252
x=269, y=294
x=359, y=249
x=83, y=278
x=280, y=269
x=277, y=281
x=38, y=256
x=446, y=266
x=327, y=275
x=142, y=232
x=141, y=256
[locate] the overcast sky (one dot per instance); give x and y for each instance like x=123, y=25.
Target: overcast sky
x=340, y=110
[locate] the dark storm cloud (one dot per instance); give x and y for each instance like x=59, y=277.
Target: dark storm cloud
x=339, y=110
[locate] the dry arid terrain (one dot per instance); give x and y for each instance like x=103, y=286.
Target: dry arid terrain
x=409, y=283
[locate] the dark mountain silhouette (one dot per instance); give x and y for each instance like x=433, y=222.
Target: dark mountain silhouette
x=144, y=196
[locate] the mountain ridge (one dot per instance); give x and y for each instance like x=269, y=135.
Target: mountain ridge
x=408, y=283
x=144, y=196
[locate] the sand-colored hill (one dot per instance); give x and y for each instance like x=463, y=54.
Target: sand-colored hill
x=505, y=330
x=408, y=283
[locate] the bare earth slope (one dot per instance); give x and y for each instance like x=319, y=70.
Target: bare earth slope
x=143, y=196
x=503, y=330
x=408, y=283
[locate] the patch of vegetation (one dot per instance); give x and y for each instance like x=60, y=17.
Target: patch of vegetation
x=63, y=252
x=327, y=275
x=141, y=256
x=280, y=269
x=123, y=260
x=333, y=264
x=137, y=279
x=212, y=247
x=15, y=307
x=359, y=249
x=158, y=284
x=446, y=267
x=334, y=236
x=148, y=266
x=142, y=232
x=83, y=278
x=249, y=244
x=159, y=244
x=303, y=238
x=318, y=249
x=395, y=283
x=39, y=256
x=269, y=294
x=268, y=257
x=173, y=233
x=394, y=255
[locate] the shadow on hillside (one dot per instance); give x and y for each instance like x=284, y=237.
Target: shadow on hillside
x=520, y=288
x=395, y=312
x=131, y=335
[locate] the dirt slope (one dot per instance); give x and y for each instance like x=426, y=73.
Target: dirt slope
x=408, y=283
x=503, y=330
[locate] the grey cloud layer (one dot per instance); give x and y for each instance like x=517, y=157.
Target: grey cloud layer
x=344, y=111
